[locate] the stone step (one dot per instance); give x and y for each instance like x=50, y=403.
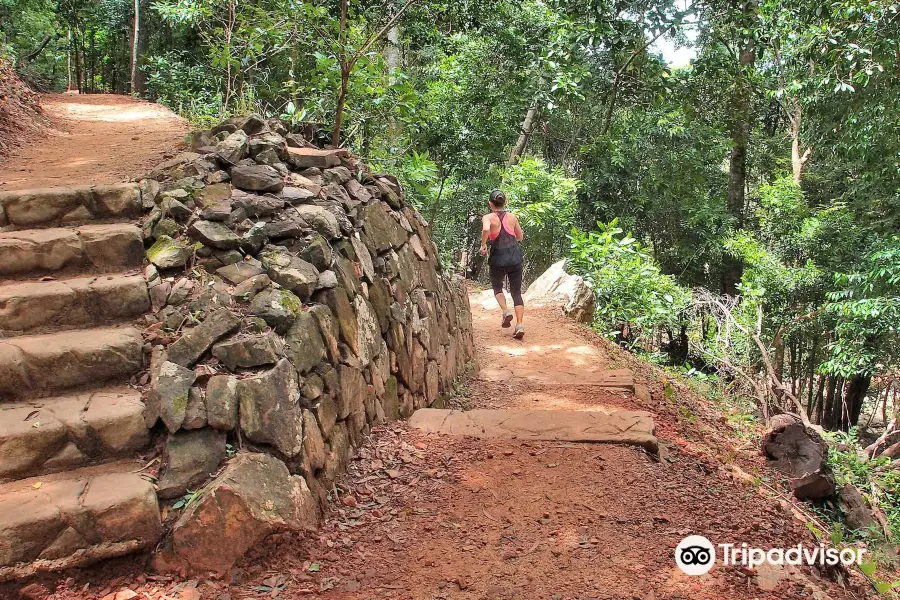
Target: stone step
x=48, y=207
x=38, y=364
x=87, y=248
x=64, y=432
x=81, y=301
x=621, y=427
x=76, y=518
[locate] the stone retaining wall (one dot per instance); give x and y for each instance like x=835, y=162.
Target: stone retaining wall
x=297, y=301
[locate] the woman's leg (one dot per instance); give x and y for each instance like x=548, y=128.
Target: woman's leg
x=515, y=289
x=497, y=277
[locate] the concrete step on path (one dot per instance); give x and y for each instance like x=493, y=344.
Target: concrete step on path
x=81, y=301
x=49, y=207
x=65, y=432
x=89, y=248
x=621, y=427
x=615, y=379
x=41, y=364
x=75, y=518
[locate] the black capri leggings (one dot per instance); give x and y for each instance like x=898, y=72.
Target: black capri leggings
x=514, y=274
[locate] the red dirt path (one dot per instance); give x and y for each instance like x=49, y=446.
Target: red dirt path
x=96, y=139
x=423, y=517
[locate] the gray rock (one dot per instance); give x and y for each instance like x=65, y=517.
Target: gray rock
x=255, y=205
x=337, y=194
x=342, y=313
x=234, y=148
x=254, y=497
x=222, y=402
x=254, y=124
x=337, y=175
x=320, y=219
x=269, y=409
x=167, y=253
x=254, y=239
x=327, y=280
x=391, y=400
x=313, y=444
x=242, y=271
x=214, y=235
x=328, y=327
x=219, y=213
x=286, y=228
x=383, y=229
x=289, y=271
x=357, y=191
x=326, y=413
x=364, y=258
x=368, y=330
x=312, y=388
x=296, y=195
x=279, y=308
x=195, y=341
x=351, y=399
x=303, y=343
x=191, y=457
x=170, y=387
x=249, y=352
x=195, y=415
x=318, y=252
x=257, y=178
x=249, y=288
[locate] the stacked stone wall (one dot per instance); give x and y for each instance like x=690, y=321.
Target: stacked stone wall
x=298, y=301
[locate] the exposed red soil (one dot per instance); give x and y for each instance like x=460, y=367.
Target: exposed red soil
x=95, y=139
x=425, y=517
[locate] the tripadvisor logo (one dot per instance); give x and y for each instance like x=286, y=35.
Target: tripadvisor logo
x=696, y=555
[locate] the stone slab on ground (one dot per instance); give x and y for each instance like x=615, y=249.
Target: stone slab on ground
x=81, y=301
x=90, y=247
x=76, y=519
x=619, y=378
x=621, y=427
x=54, y=434
x=55, y=206
x=40, y=363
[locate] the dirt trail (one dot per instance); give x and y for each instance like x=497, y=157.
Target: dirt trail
x=430, y=517
x=422, y=517
x=96, y=139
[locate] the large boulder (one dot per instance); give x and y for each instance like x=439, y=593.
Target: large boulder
x=254, y=497
x=799, y=453
x=556, y=286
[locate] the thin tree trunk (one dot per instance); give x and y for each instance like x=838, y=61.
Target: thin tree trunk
x=525, y=131
x=135, y=47
x=339, y=113
x=854, y=397
x=797, y=161
x=69, y=61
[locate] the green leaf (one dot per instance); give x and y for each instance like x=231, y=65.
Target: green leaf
x=868, y=568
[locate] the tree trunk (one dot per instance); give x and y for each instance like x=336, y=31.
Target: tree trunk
x=732, y=269
x=797, y=161
x=135, y=47
x=525, y=132
x=392, y=61
x=853, y=399
x=339, y=112
x=69, y=61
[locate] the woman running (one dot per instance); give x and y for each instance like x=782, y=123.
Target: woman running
x=504, y=233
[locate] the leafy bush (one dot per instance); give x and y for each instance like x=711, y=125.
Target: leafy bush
x=633, y=296
x=186, y=87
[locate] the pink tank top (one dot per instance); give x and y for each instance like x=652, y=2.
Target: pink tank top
x=494, y=236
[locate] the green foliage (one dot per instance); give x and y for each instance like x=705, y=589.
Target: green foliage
x=184, y=87
x=544, y=200
x=849, y=466
x=633, y=296
x=866, y=314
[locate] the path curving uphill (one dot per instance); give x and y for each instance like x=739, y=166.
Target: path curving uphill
x=95, y=139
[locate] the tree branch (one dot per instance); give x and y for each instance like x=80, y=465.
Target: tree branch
x=359, y=53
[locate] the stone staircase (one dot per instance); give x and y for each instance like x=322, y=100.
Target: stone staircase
x=70, y=425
